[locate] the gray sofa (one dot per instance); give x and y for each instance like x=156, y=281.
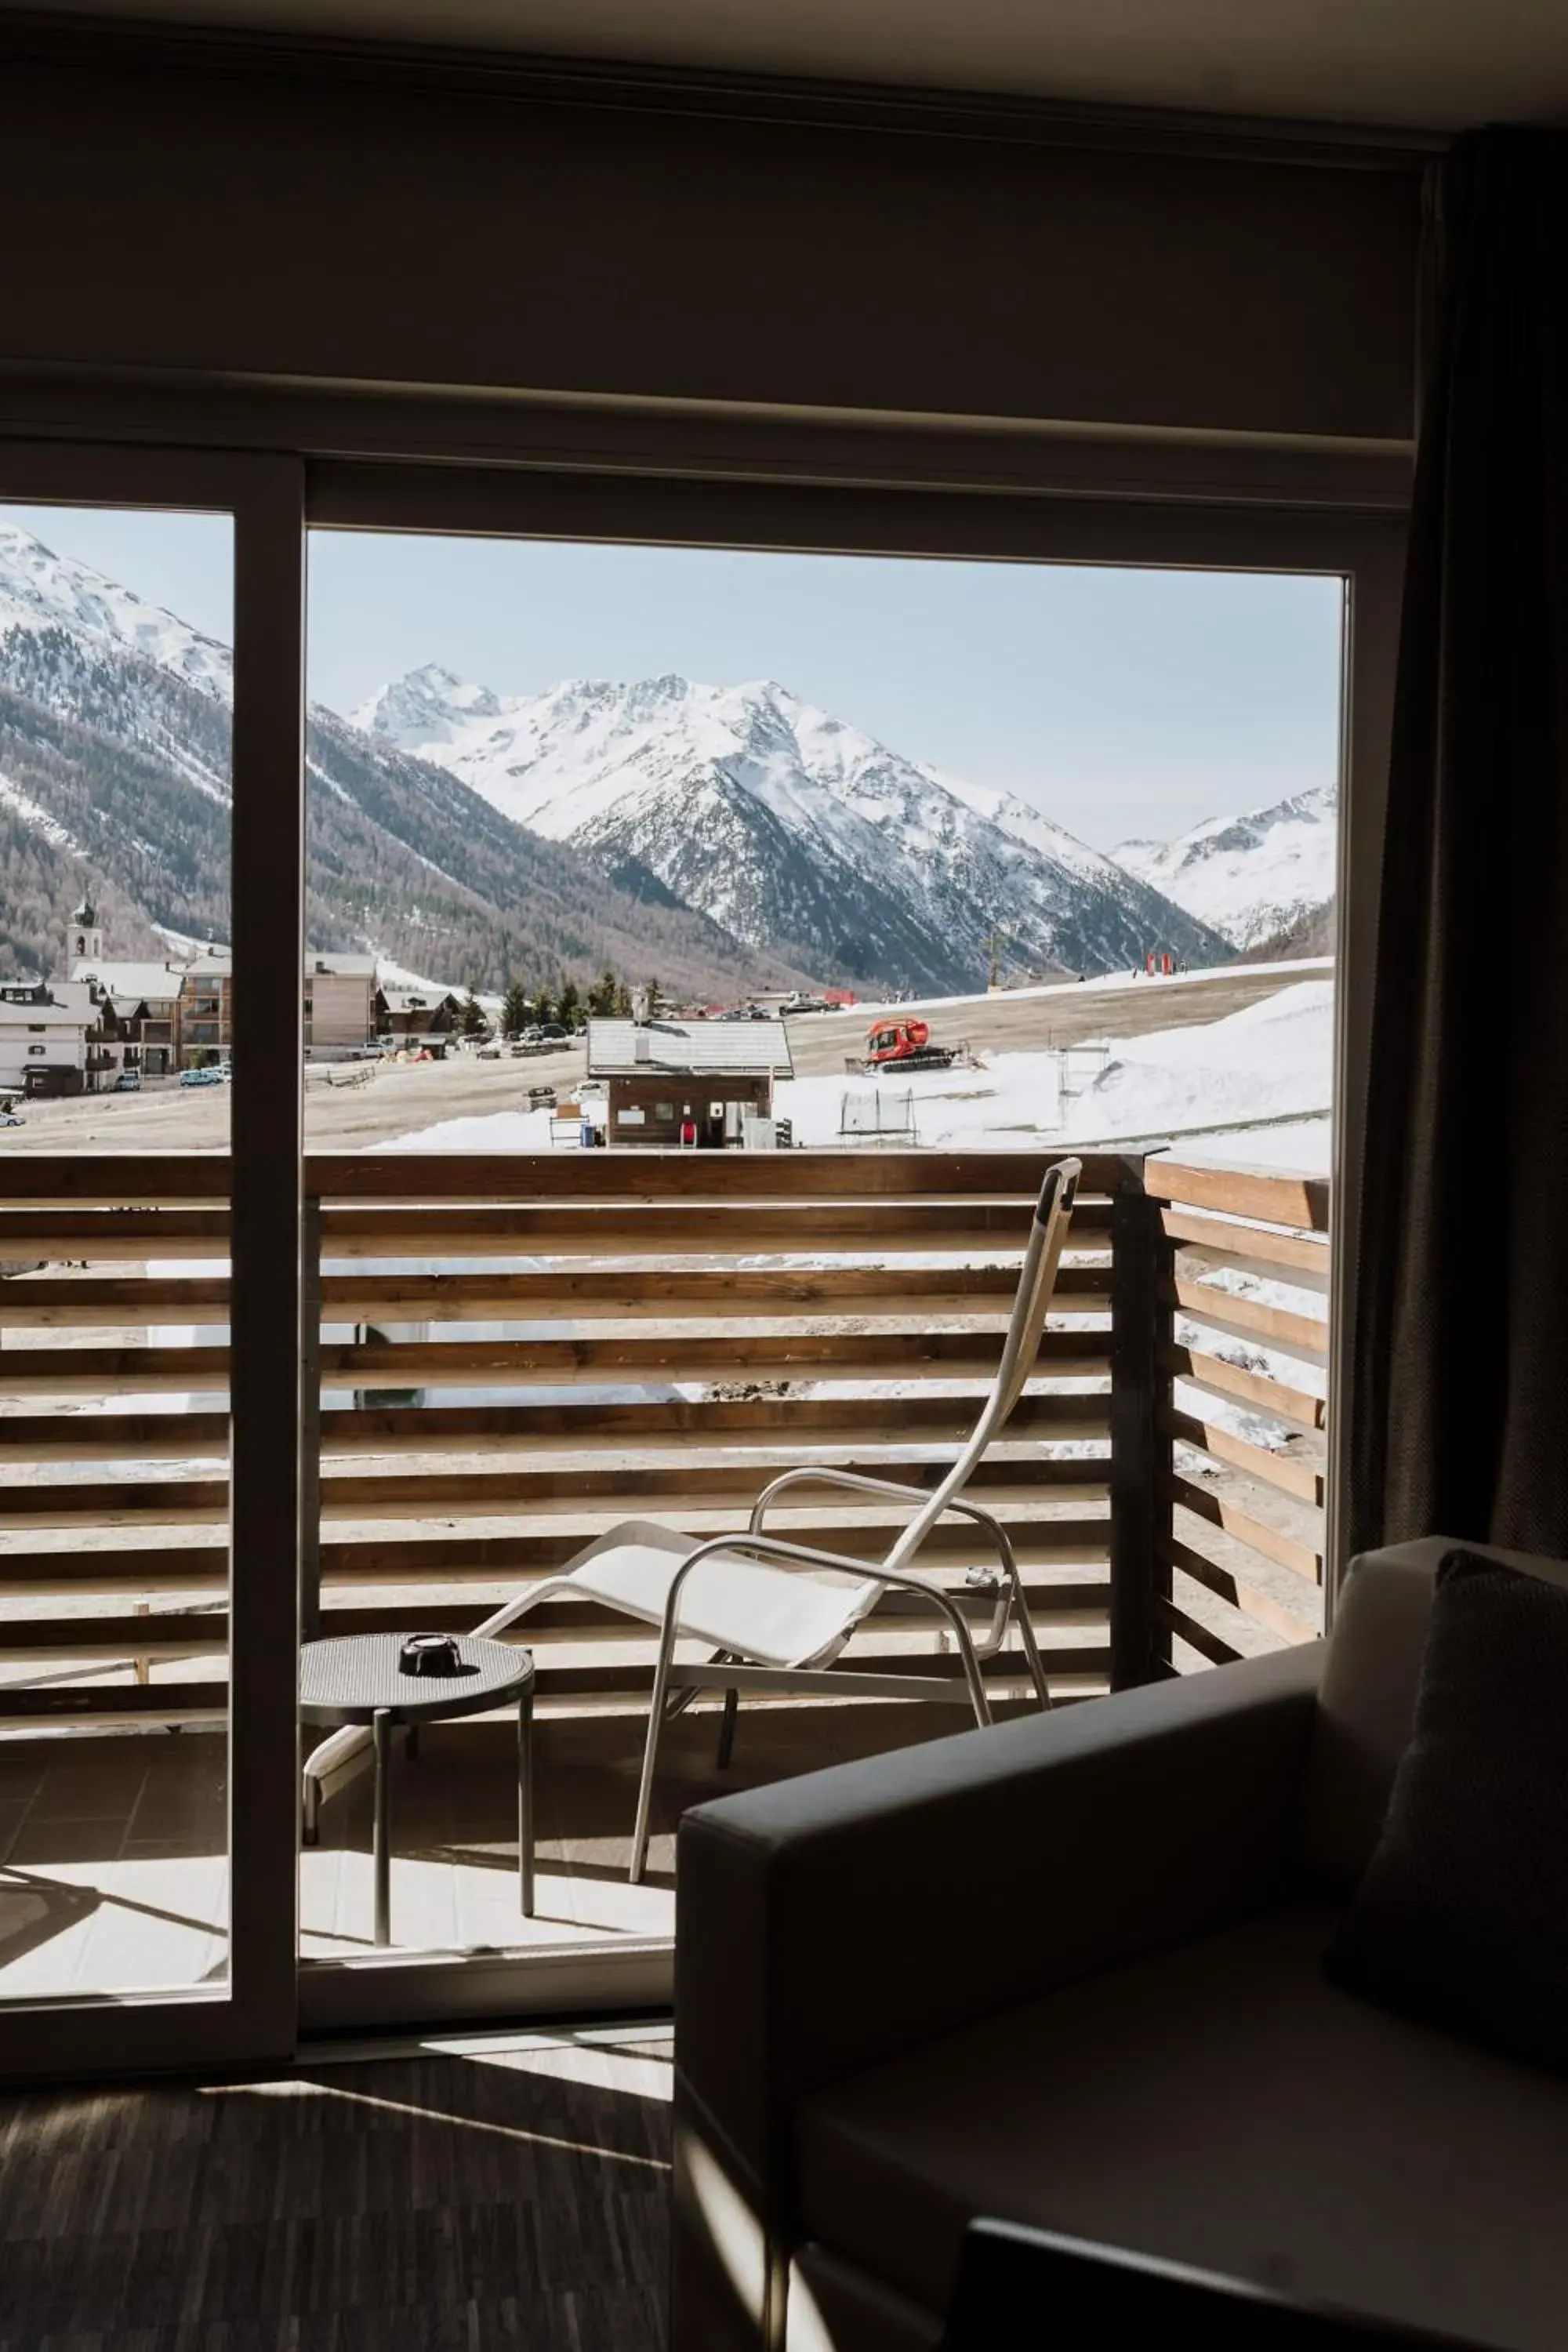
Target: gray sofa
x=1066, y=1971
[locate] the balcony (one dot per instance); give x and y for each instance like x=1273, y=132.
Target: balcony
x=514, y=1354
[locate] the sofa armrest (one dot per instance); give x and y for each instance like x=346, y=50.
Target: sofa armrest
x=825, y=1923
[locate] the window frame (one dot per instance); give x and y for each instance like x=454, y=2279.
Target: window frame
x=1362, y=545
x=1335, y=517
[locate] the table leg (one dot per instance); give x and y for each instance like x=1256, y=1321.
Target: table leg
x=525, y=1800
x=382, y=1841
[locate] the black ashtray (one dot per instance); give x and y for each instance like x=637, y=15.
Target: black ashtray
x=429, y=1653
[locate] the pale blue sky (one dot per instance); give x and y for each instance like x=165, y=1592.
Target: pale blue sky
x=1119, y=702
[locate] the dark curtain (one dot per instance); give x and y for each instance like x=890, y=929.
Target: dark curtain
x=1460, y=1348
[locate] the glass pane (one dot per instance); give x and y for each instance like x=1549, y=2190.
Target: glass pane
x=115, y=994
x=624, y=859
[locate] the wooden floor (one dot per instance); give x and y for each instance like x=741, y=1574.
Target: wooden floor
x=460, y=2197
x=114, y=1875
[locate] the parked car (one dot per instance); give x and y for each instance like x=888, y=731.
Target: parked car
x=490, y=1053
x=202, y=1078
x=129, y=1082
x=11, y=1119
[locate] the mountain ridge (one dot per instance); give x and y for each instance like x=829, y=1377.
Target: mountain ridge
x=114, y=749
x=790, y=827
x=1254, y=876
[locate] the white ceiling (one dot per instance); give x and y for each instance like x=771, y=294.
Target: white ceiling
x=1417, y=64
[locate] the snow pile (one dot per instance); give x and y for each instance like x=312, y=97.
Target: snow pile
x=501, y=1130
x=1264, y=1063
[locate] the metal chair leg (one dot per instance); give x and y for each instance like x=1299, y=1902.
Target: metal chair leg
x=727, y=1728
x=649, y=1763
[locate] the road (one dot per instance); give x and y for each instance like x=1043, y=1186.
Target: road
x=401, y=1099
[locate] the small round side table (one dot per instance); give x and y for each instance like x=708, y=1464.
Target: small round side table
x=356, y=1679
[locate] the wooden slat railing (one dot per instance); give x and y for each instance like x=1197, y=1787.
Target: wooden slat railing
x=560, y=1343
x=647, y=1335
x=1244, y=1275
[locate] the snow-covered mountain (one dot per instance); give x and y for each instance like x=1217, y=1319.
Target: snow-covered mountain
x=114, y=768
x=1248, y=876
x=789, y=826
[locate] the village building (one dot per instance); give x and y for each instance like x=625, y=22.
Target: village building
x=340, y=1009
x=206, y=1009
x=702, y=1083
x=58, y=1038
x=411, y=1018
x=145, y=995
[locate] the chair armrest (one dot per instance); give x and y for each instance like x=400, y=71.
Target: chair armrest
x=830, y=1921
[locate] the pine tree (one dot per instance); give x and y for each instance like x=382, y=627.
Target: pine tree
x=471, y=1018
x=543, y=1003
x=655, y=998
x=514, y=1009
x=569, y=1005
x=603, y=993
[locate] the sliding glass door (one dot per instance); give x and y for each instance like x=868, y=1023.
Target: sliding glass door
x=149, y=618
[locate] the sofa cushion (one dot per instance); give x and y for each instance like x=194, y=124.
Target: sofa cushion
x=1366, y=1704
x=1462, y=1916
x=1221, y=2105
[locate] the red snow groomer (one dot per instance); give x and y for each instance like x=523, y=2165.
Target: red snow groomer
x=905, y=1045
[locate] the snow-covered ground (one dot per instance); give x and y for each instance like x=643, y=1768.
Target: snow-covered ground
x=1253, y=1086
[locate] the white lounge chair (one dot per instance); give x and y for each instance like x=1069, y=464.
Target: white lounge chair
x=753, y=1601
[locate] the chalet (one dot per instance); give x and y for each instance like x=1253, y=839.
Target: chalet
x=408, y=1018
x=693, y=1082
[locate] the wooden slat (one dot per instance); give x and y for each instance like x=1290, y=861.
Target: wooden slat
x=107, y=1235
x=109, y=1703
x=669, y=1175
x=675, y=1357
x=169, y=1634
x=1264, y=1193
x=456, y=1492
x=112, y=1437
x=1207, y=1644
x=114, y=1180
x=1246, y=1318
x=1287, y=1473
x=1248, y=1599
x=701, y=1230
x=178, y=1178
x=1254, y=1390
x=820, y=1424
x=1198, y=1262
x=44, y=1302
x=565, y=1361
x=1287, y=1257
x=1285, y=1552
